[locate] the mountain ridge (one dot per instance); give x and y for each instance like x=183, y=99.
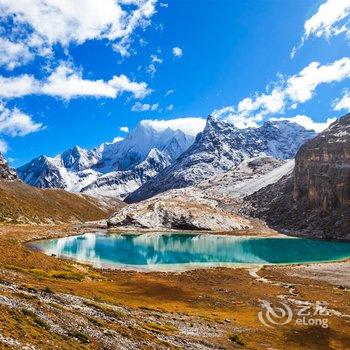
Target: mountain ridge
x=222, y=146
x=81, y=170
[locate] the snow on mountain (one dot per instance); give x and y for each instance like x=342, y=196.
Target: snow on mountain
x=222, y=146
x=6, y=173
x=248, y=177
x=115, y=168
x=121, y=183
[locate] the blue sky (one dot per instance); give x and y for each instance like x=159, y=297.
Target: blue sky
x=75, y=72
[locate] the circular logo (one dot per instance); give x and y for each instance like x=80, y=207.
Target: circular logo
x=275, y=315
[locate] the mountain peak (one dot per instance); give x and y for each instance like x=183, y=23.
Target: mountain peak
x=222, y=146
x=6, y=173
x=115, y=168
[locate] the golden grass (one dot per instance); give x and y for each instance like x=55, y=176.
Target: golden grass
x=20, y=203
x=227, y=298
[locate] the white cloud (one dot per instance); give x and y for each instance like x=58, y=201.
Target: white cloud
x=13, y=54
x=331, y=19
x=144, y=107
x=328, y=20
x=117, y=139
x=124, y=129
x=170, y=107
x=169, y=92
x=190, y=126
x=151, y=69
x=177, y=52
x=301, y=87
x=67, y=82
x=3, y=146
x=123, y=84
x=308, y=123
x=286, y=94
x=240, y=120
x=156, y=59
x=342, y=103
x=18, y=86
x=16, y=123
x=44, y=23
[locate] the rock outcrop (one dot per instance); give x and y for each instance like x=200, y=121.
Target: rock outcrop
x=6, y=173
x=183, y=209
x=322, y=169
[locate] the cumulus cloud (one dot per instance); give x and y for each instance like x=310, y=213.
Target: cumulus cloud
x=191, y=126
x=13, y=54
x=144, y=107
x=124, y=129
x=287, y=93
x=308, y=123
x=342, y=103
x=40, y=24
x=331, y=19
x=177, y=52
x=67, y=82
x=13, y=122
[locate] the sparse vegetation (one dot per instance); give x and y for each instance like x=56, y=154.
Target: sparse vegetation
x=235, y=338
x=48, y=290
x=20, y=203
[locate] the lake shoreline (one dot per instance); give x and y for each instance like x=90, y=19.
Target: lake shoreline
x=192, y=308
x=46, y=246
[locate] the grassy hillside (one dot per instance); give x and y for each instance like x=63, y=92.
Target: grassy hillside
x=20, y=203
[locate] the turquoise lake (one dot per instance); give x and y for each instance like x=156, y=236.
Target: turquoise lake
x=166, y=251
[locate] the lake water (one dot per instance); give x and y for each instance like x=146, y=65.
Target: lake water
x=165, y=251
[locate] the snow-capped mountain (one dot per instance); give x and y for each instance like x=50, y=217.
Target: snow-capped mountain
x=222, y=146
x=6, y=173
x=115, y=168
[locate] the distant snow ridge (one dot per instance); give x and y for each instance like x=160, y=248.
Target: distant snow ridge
x=112, y=169
x=222, y=146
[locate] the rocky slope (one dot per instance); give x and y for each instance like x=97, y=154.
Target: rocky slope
x=315, y=199
x=183, y=209
x=222, y=146
x=211, y=205
x=113, y=169
x=6, y=173
x=248, y=177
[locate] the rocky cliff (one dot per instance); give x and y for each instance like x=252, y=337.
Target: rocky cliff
x=322, y=169
x=315, y=199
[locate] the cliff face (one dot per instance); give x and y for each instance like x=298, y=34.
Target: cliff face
x=6, y=173
x=322, y=169
x=315, y=199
